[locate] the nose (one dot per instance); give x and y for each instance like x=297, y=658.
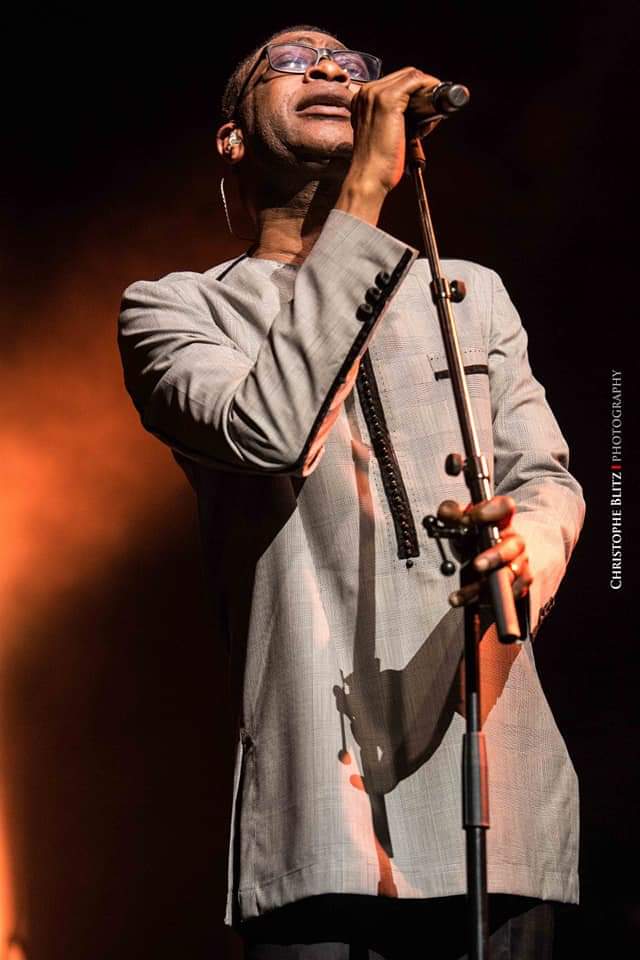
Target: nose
x=327, y=69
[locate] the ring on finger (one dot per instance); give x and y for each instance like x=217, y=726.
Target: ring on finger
x=513, y=566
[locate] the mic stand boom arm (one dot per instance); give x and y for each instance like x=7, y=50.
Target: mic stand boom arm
x=475, y=466
x=475, y=785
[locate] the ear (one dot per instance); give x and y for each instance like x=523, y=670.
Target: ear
x=230, y=142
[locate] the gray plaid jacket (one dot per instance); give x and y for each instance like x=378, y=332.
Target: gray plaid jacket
x=311, y=411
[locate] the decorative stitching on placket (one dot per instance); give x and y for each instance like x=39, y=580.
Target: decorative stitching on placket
x=394, y=488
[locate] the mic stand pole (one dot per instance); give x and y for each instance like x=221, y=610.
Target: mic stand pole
x=475, y=801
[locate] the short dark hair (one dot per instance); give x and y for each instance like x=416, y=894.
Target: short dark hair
x=235, y=82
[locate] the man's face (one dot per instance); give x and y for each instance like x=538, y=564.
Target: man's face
x=303, y=117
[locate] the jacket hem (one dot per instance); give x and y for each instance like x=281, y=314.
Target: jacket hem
x=320, y=878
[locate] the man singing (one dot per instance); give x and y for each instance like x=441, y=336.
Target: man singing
x=304, y=390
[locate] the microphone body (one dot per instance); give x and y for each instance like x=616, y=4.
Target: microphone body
x=439, y=101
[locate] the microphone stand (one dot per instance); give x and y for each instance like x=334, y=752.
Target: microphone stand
x=475, y=800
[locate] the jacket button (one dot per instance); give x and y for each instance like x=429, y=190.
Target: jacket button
x=372, y=295
x=383, y=280
x=364, y=312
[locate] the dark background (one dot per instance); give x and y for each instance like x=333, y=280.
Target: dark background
x=115, y=743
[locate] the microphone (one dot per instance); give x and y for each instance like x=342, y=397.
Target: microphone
x=437, y=102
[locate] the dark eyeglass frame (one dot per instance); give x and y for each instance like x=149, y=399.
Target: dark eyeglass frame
x=321, y=52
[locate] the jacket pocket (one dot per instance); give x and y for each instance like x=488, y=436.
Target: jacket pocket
x=243, y=747
x=474, y=359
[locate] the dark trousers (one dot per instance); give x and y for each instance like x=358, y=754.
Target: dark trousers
x=357, y=927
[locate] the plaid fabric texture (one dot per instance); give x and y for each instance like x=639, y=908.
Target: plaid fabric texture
x=344, y=660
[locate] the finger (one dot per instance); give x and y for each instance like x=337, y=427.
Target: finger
x=392, y=95
x=450, y=511
x=523, y=578
x=520, y=589
x=395, y=88
x=403, y=78
x=499, y=510
x=465, y=595
x=510, y=548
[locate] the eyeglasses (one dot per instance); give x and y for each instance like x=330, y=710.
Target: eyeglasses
x=298, y=57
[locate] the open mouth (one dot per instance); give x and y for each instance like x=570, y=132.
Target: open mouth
x=326, y=111
x=328, y=106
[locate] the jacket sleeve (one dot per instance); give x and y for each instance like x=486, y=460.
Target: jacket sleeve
x=531, y=458
x=198, y=392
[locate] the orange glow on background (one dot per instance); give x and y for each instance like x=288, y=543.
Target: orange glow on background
x=85, y=491
x=80, y=482
x=76, y=464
